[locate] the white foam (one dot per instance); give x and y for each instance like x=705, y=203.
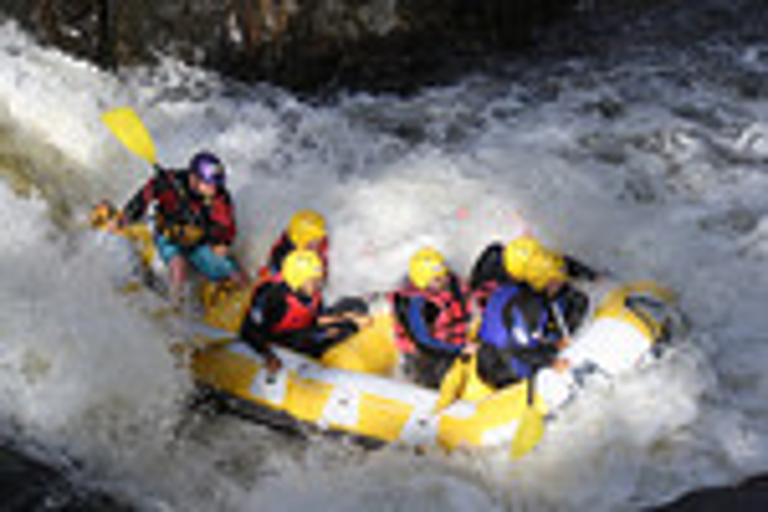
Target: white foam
x=645, y=192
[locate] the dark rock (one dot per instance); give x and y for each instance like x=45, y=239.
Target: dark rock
x=749, y=496
x=308, y=44
x=734, y=222
x=28, y=485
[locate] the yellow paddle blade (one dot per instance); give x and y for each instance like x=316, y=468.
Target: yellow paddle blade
x=126, y=125
x=529, y=433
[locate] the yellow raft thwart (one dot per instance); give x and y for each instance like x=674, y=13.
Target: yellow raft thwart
x=354, y=388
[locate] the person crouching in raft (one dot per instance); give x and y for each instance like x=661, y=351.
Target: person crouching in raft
x=432, y=317
x=520, y=333
x=286, y=309
x=499, y=264
x=306, y=230
x=194, y=221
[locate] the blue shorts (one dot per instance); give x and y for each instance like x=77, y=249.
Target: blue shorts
x=205, y=261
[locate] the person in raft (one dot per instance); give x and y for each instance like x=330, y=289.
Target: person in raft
x=194, y=221
x=432, y=317
x=286, y=309
x=306, y=230
x=499, y=264
x=520, y=332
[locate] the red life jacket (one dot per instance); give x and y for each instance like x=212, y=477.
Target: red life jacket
x=178, y=206
x=452, y=322
x=298, y=315
x=221, y=228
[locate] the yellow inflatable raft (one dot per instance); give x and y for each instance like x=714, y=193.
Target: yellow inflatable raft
x=355, y=390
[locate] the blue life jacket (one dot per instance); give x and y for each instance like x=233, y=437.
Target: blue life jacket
x=508, y=327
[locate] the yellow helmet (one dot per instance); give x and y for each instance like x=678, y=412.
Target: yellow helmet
x=425, y=265
x=301, y=266
x=545, y=267
x=101, y=214
x=518, y=254
x=305, y=227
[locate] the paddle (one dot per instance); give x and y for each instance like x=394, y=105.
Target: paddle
x=560, y=319
x=126, y=125
x=531, y=428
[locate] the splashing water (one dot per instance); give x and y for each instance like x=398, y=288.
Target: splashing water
x=649, y=161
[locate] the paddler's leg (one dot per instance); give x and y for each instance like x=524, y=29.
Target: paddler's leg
x=177, y=269
x=356, y=305
x=430, y=367
x=217, y=265
x=441, y=363
x=316, y=341
x=178, y=277
x=330, y=334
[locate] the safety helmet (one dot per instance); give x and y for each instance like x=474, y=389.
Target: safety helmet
x=544, y=268
x=301, y=266
x=518, y=253
x=101, y=214
x=208, y=168
x=305, y=227
x=426, y=264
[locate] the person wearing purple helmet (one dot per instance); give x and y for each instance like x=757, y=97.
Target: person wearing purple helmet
x=194, y=221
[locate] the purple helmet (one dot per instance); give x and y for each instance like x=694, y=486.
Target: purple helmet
x=208, y=168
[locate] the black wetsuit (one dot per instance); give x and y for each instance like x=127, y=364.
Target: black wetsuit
x=265, y=322
x=488, y=272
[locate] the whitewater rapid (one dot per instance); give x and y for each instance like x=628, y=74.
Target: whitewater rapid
x=651, y=164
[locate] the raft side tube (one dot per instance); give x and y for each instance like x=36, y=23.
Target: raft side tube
x=623, y=329
x=340, y=400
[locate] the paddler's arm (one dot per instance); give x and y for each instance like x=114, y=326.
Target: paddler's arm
x=138, y=205
x=577, y=269
x=332, y=316
x=420, y=330
x=344, y=311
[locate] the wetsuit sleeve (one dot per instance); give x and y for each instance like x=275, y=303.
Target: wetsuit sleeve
x=221, y=221
x=573, y=305
x=579, y=270
x=267, y=309
x=138, y=205
x=419, y=329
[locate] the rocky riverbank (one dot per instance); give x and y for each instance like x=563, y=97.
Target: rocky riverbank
x=304, y=45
